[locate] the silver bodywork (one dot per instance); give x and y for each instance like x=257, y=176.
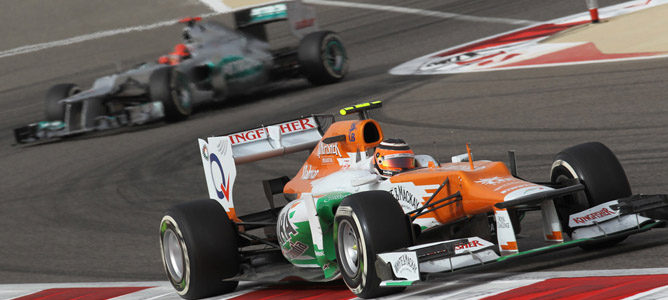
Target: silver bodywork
x=223, y=62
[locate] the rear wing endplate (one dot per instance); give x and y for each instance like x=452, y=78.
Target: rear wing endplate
x=221, y=154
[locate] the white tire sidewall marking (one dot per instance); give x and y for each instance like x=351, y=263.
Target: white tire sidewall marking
x=186, y=260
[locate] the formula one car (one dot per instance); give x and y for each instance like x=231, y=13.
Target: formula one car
x=370, y=211
x=214, y=63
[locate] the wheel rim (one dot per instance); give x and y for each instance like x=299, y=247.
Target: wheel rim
x=349, y=249
x=335, y=56
x=173, y=255
x=571, y=200
x=181, y=93
x=567, y=204
x=183, y=96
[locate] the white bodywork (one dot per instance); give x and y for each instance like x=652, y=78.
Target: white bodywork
x=603, y=220
x=405, y=264
x=219, y=169
x=221, y=154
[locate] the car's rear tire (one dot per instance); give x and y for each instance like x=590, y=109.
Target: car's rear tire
x=599, y=170
x=172, y=89
x=322, y=57
x=54, y=110
x=199, y=249
x=366, y=224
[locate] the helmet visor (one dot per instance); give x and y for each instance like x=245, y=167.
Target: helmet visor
x=398, y=161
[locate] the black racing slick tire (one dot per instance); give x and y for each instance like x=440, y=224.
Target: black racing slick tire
x=199, y=249
x=54, y=110
x=322, y=57
x=598, y=169
x=171, y=88
x=366, y=224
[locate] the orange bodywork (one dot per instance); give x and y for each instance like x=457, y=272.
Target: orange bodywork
x=487, y=184
x=481, y=187
x=325, y=158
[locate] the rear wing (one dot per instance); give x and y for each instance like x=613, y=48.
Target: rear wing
x=221, y=154
x=301, y=18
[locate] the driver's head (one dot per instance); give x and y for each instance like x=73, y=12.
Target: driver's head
x=181, y=50
x=392, y=157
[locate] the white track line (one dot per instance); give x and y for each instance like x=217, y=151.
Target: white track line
x=91, y=36
x=421, y=12
x=216, y=5
x=219, y=8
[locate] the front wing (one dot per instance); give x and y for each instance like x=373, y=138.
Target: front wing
x=409, y=266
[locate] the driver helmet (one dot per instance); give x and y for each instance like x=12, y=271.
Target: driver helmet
x=181, y=50
x=175, y=57
x=392, y=157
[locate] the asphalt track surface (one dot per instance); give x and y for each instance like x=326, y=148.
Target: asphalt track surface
x=88, y=208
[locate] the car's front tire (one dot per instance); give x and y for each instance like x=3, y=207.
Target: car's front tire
x=366, y=224
x=171, y=88
x=599, y=170
x=199, y=249
x=55, y=111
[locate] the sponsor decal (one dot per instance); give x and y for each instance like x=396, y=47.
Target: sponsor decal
x=248, y=136
x=297, y=125
x=328, y=149
x=304, y=23
x=296, y=250
x=406, y=198
x=405, y=262
x=351, y=132
x=293, y=237
x=477, y=58
x=261, y=133
x=327, y=160
x=286, y=230
x=530, y=47
x=224, y=191
x=603, y=212
x=205, y=152
x=469, y=245
x=490, y=58
x=495, y=52
x=345, y=162
x=502, y=222
x=309, y=172
x=268, y=12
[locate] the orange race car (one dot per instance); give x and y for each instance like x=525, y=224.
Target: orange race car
x=370, y=211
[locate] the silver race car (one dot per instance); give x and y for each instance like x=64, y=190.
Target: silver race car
x=212, y=64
